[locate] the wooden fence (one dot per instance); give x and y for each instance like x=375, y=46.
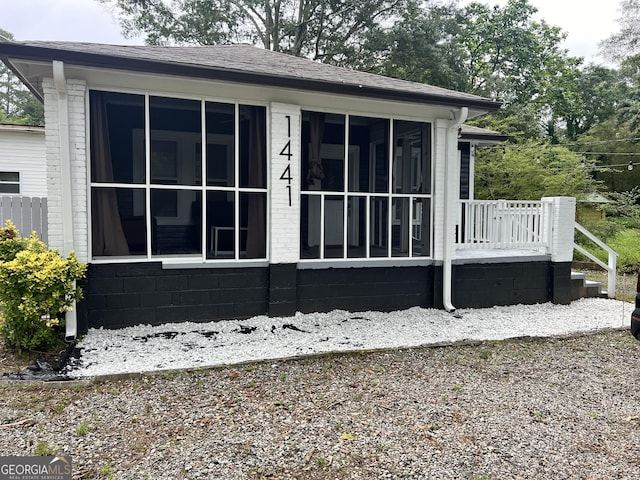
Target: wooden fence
x=27, y=213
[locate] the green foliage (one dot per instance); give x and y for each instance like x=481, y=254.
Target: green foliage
x=10, y=242
x=83, y=429
x=419, y=48
x=37, y=287
x=327, y=31
x=603, y=229
x=625, y=42
x=624, y=204
x=17, y=104
x=531, y=173
x=43, y=449
x=520, y=123
x=626, y=243
x=509, y=55
x=606, y=143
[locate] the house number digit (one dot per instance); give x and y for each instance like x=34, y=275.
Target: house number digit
x=286, y=175
x=286, y=152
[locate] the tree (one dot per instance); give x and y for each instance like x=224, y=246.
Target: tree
x=508, y=55
x=611, y=146
x=525, y=173
x=626, y=42
x=331, y=31
x=17, y=104
x=420, y=48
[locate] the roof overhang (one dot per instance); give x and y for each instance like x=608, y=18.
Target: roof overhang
x=13, y=54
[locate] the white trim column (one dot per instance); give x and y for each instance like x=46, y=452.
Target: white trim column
x=562, y=225
x=284, y=188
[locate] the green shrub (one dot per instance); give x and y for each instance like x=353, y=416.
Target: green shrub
x=627, y=244
x=10, y=242
x=37, y=287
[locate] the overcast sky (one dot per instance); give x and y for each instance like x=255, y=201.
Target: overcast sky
x=586, y=21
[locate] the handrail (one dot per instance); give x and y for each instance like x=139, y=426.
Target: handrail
x=610, y=266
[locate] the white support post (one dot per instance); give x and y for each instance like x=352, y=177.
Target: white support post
x=285, y=184
x=563, y=214
x=66, y=182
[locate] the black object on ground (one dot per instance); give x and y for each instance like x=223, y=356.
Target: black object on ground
x=293, y=327
x=635, y=315
x=46, y=370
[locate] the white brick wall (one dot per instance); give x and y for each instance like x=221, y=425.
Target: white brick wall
x=285, y=194
x=439, y=154
x=76, y=91
x=562, y=228
x=52, y=145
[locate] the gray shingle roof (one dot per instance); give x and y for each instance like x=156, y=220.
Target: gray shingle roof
x=473, y=132
x=243, y=63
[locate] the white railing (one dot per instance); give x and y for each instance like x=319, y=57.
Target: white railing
x=610, y=266
x=496, y=224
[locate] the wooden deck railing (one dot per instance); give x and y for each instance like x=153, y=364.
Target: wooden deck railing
x=503, y=224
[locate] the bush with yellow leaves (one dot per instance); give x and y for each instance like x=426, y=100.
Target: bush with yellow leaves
x=37, y=287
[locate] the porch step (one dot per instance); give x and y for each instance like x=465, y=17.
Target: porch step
x=583, y=288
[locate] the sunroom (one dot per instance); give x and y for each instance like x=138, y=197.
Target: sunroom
x=204, y=183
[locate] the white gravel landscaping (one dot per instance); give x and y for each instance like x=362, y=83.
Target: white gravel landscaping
x=147, y=348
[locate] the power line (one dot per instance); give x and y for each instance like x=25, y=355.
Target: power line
x=628, y=154
x=599, y=142
x=543, y=169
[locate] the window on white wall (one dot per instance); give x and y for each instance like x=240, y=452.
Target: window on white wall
x=9, y=182
x=366, y=187
x=146, y=179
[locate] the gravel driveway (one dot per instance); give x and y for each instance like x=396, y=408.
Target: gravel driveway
x=530, y=409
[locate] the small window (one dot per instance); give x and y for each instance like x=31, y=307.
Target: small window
x=9, y=182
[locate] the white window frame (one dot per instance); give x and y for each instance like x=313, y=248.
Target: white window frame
x=175, y=261
x=11, y=182
x=392, y=218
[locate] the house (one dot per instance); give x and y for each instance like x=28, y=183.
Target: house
x=22, y=160
x=23, y=180
x=204, y=183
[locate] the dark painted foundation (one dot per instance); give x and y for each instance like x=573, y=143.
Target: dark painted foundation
x=487, y=285
x=119, y=295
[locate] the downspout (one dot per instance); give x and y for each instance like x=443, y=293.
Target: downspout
x=66, y=183
x=450, y=202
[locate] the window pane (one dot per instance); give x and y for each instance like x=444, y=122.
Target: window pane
x=220, y=120
x=9, y=188
x=310, y=227
x=400, y=232
x=323, y=151
x=118, y=222
x=253, y=147
x=177, y=221
x=379, y=236
x=356, y=227
x=253, y=225
x=164, y=162
x=421, y=227
x=175, y=131
x=334, y=227
x=412, y=158
x=368, y=154
x=9, y=176
x=117, y=137
x=220, y=225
